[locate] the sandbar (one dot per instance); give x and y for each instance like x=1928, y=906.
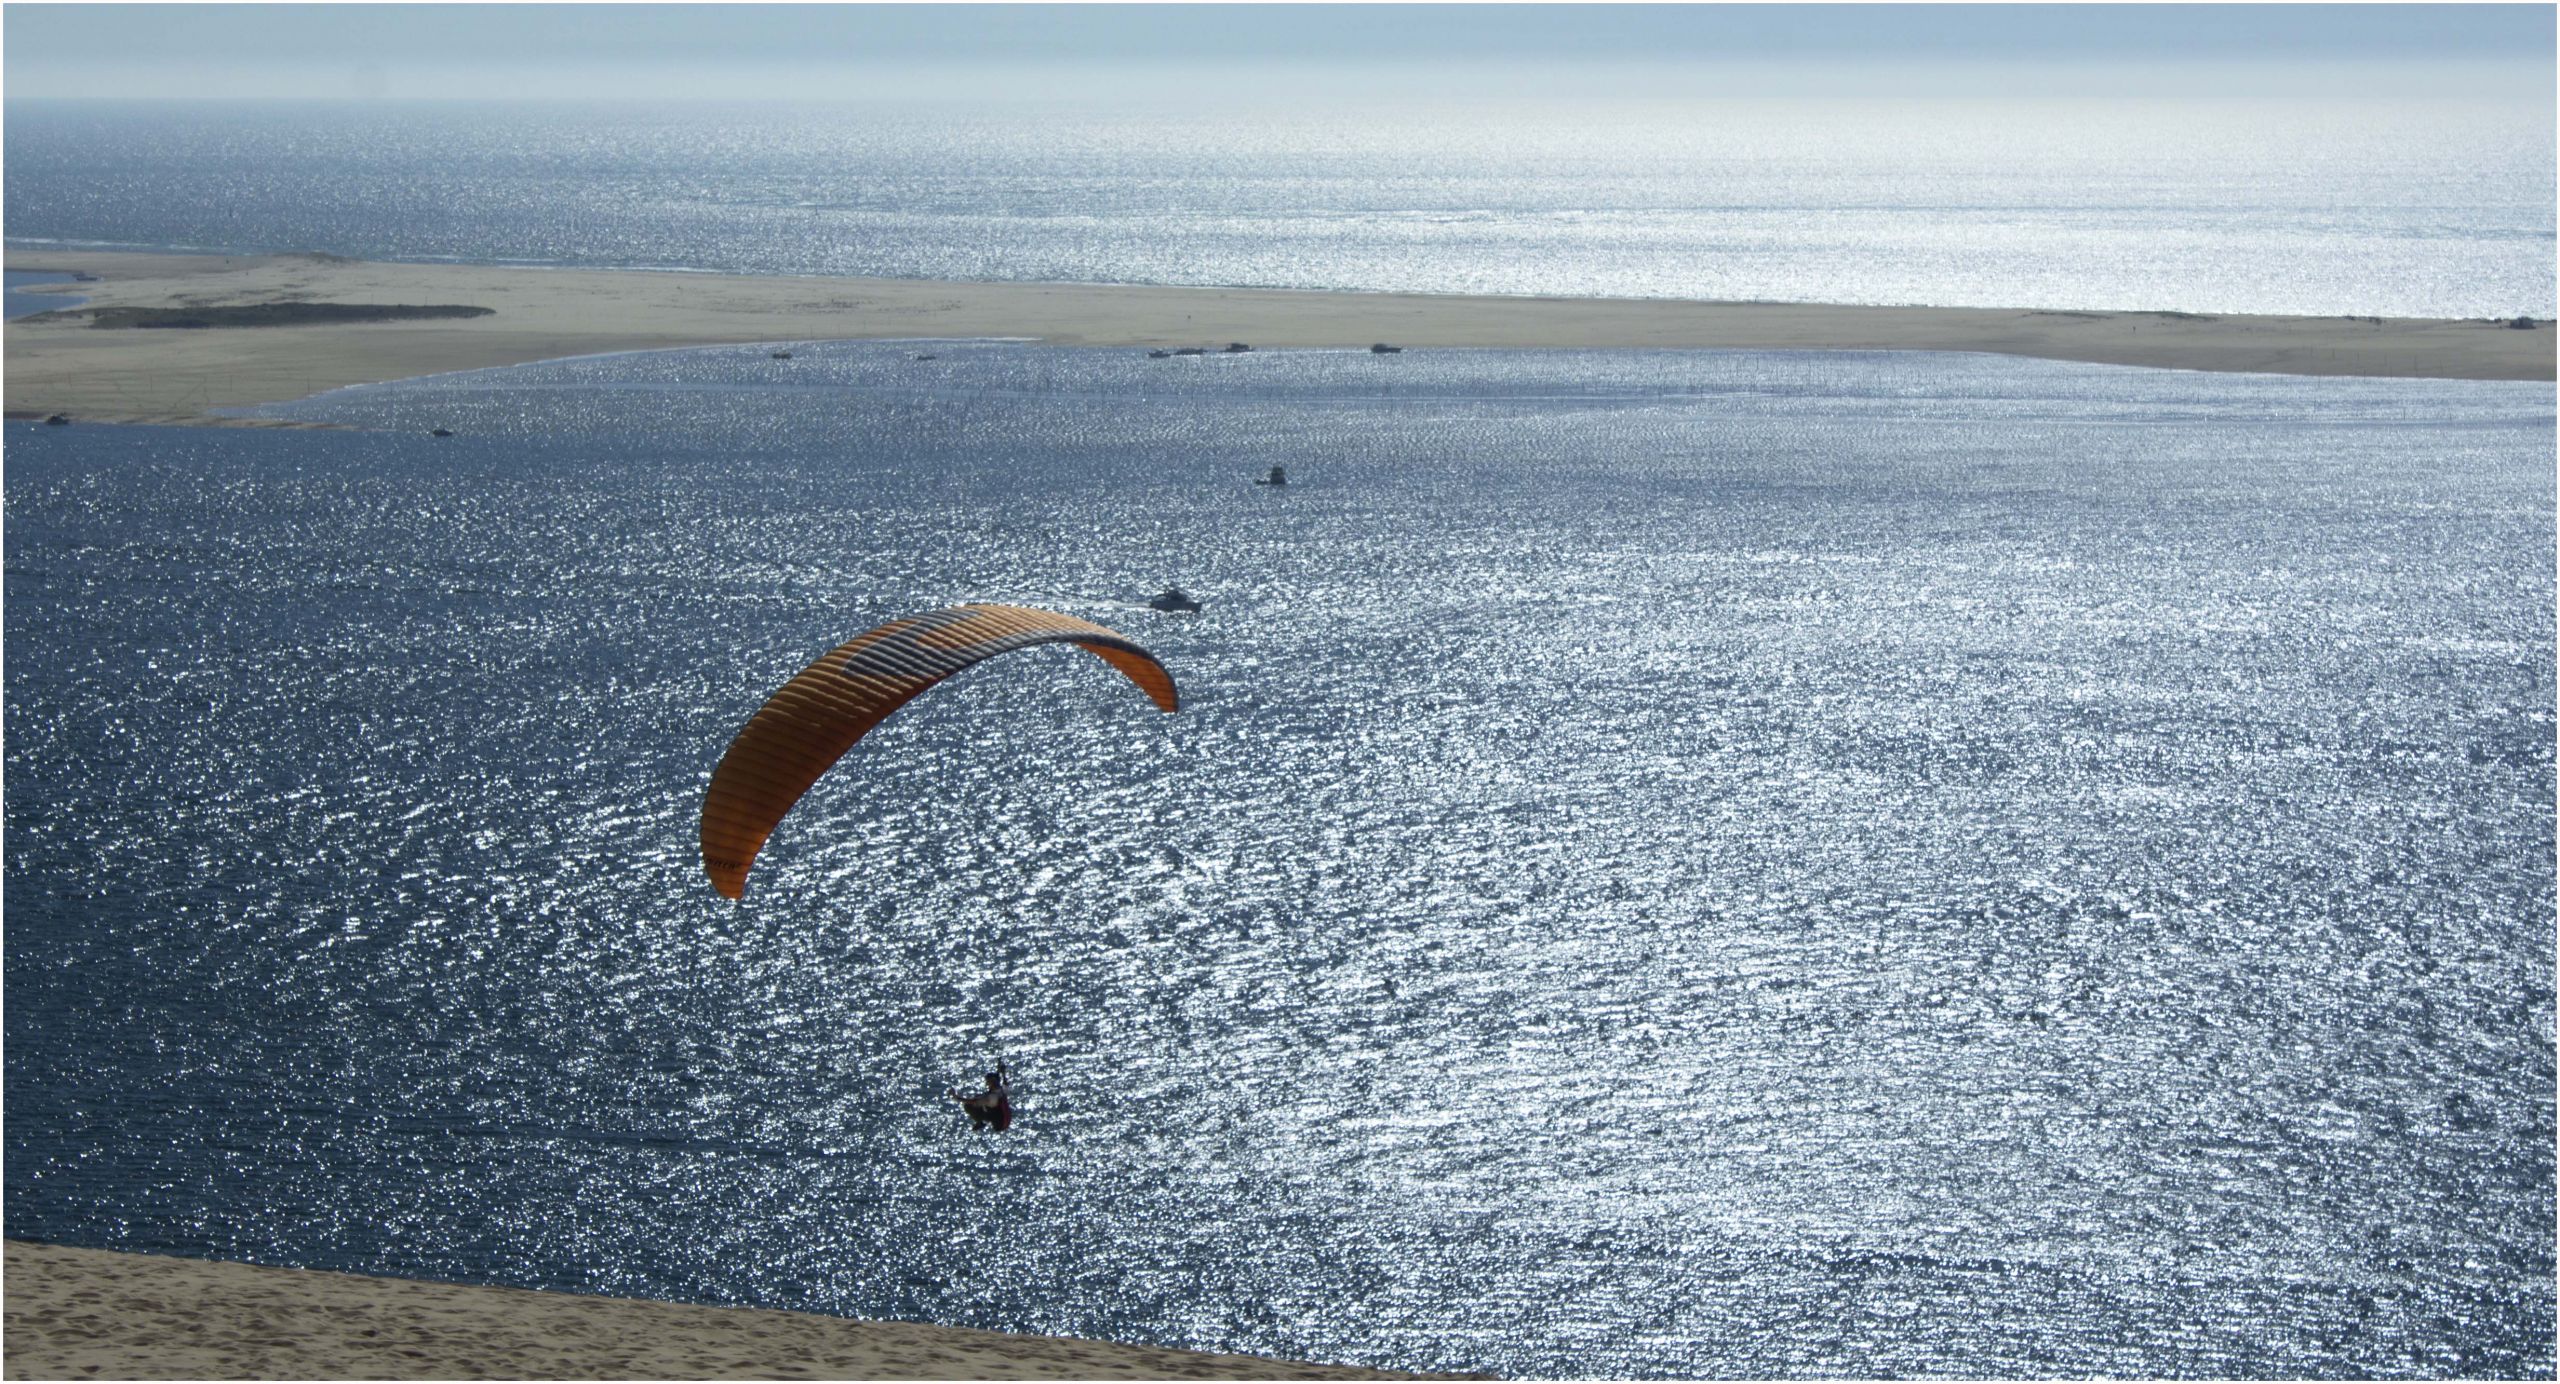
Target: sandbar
x=58, y=363
x=101, y=1314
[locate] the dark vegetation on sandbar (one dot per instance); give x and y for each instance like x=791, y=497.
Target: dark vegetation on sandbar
x=274, y=314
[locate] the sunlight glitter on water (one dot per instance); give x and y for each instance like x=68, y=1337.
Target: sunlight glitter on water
x=1670, y=864
x=2368, y=203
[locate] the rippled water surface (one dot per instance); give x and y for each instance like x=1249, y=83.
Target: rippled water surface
x=2366, y=204
x=1715, y=864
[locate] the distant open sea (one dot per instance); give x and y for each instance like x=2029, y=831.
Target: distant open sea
x=2364, y=204
x=1671, y=864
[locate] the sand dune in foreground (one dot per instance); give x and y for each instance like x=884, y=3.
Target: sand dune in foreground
x=96, y=1314
x=156, y=375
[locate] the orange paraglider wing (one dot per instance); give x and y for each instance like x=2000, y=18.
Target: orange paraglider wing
x=808, y=725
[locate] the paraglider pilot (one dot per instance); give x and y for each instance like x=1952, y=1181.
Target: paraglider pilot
x=992, y=1106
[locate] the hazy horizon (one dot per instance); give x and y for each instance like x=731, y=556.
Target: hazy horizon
x=1240, y=53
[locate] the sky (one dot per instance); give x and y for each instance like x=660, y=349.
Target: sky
x=1241, y=51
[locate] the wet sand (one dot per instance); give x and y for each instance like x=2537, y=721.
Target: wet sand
x=95, y=1314
x=59, y=364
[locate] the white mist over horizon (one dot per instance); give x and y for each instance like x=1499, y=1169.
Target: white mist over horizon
x=1242, y=55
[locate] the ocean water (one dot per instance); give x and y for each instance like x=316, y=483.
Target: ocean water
x=19, y=295
x=2365, y=204
x=1692, y=865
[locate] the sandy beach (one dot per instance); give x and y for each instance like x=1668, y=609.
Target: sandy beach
x=97, y=1314
x=61, y=364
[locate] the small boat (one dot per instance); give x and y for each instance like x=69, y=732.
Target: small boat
x=781, y=355
x=1174, y=599
x=1278, y=476
x=926, y=355
x=1237, y=348
x=1159, y=353
x=441, y=432
x=1383, y=349
x=57, y=420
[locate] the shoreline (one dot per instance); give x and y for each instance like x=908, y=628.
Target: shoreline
x=76, y=1313
x=59, y=364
